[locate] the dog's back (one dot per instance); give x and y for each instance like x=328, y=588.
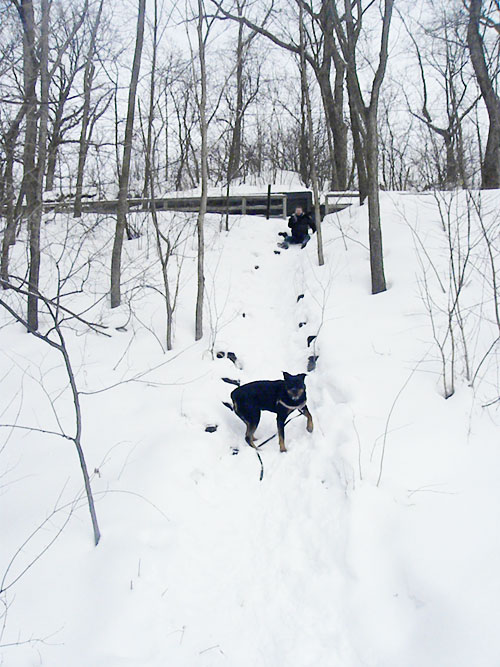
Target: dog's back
x=261, y=394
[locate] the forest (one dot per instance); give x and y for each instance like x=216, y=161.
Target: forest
x=137, y=530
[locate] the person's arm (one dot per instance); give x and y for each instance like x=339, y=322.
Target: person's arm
x=291, y=221
x=312, y=224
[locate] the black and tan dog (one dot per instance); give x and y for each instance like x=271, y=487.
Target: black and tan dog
x=279, y=396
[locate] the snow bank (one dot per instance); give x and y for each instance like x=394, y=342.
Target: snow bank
x=371, y=542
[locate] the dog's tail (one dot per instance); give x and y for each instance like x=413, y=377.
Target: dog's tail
x=228, y=405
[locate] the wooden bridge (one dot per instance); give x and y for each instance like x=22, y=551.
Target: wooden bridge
x=234, y=205
x=279, y=204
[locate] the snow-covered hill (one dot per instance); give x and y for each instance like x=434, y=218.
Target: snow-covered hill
x=373, y=541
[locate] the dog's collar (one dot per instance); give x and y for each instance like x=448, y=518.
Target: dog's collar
x=292, y=407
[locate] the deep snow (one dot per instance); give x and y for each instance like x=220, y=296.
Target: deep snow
x=374, y=541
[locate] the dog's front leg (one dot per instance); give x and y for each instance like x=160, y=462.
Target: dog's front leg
x=307, y=414
x=281, y=431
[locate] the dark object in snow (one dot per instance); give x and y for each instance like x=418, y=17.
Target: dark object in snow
x=311, y=362
x=228, y=405
x=302, y=324
x=243, y=315
x=277, y=252
x=279, y=396
x=232, y=357
x=301, y=296
x=211, y=429
x=220, y=355
x=121, y=328
x=283, y=234
x=310, y=340
x=230, y=381
x=235, y=451
x=256, y=266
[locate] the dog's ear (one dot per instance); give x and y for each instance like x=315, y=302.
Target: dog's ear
x=286, y=375
x=303, y=376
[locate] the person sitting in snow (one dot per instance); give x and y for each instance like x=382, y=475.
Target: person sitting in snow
x=299, y=223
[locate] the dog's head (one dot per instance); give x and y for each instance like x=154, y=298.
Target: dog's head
x=294, y=385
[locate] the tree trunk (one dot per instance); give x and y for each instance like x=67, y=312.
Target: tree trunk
x=148, y=178
x=9, y=236
x=314, y=175
x=304, y=141
x=35, y=219
x=56, y=136
x=121, y=216
x=235, y=150
x=30, y=184
x=358, y=142
x=83, y=146
x=204, y=173
x=367, y=115
x=490, y=168
x=375, y=232
x=333, y=100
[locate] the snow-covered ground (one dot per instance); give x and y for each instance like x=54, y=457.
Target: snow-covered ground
x=373, y=541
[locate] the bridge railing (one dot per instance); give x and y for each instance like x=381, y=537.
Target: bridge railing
x=234, y=205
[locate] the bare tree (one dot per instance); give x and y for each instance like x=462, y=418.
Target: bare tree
x=59, y=343
x=9, y=236
x=30, y=181
x=202, y=107
x=314, y=176
x=321, y=56
x=447, y=59
x=242, y=100
x=121, y=217
x=348, y=29
x=479, y=15
x=86, y=121
x=147, y=187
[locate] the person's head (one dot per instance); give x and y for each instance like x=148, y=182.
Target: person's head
x=299, y=210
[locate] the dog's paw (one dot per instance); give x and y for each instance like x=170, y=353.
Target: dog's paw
x=310, y=427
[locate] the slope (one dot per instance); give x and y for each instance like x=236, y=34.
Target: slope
x=369, y=543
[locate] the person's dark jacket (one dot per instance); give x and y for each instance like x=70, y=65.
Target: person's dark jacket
x=299, y=224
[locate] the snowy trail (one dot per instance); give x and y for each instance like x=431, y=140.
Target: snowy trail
x=268, y=589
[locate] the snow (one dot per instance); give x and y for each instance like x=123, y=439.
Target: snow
x=372, y=542
x=281, y=181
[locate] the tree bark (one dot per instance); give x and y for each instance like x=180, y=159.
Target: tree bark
x=367, y=115
x=9, y=236
x=375, y=231
x=83, y=145
x=121, y=216
x=148, y=177
x=312, y=166
x=235, y=149
x=204, y=173
x=490, y=168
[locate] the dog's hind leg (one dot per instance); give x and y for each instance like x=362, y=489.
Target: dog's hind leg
x=307, y=414
x=251, y=428
x=251, y=419
x=280, y=420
